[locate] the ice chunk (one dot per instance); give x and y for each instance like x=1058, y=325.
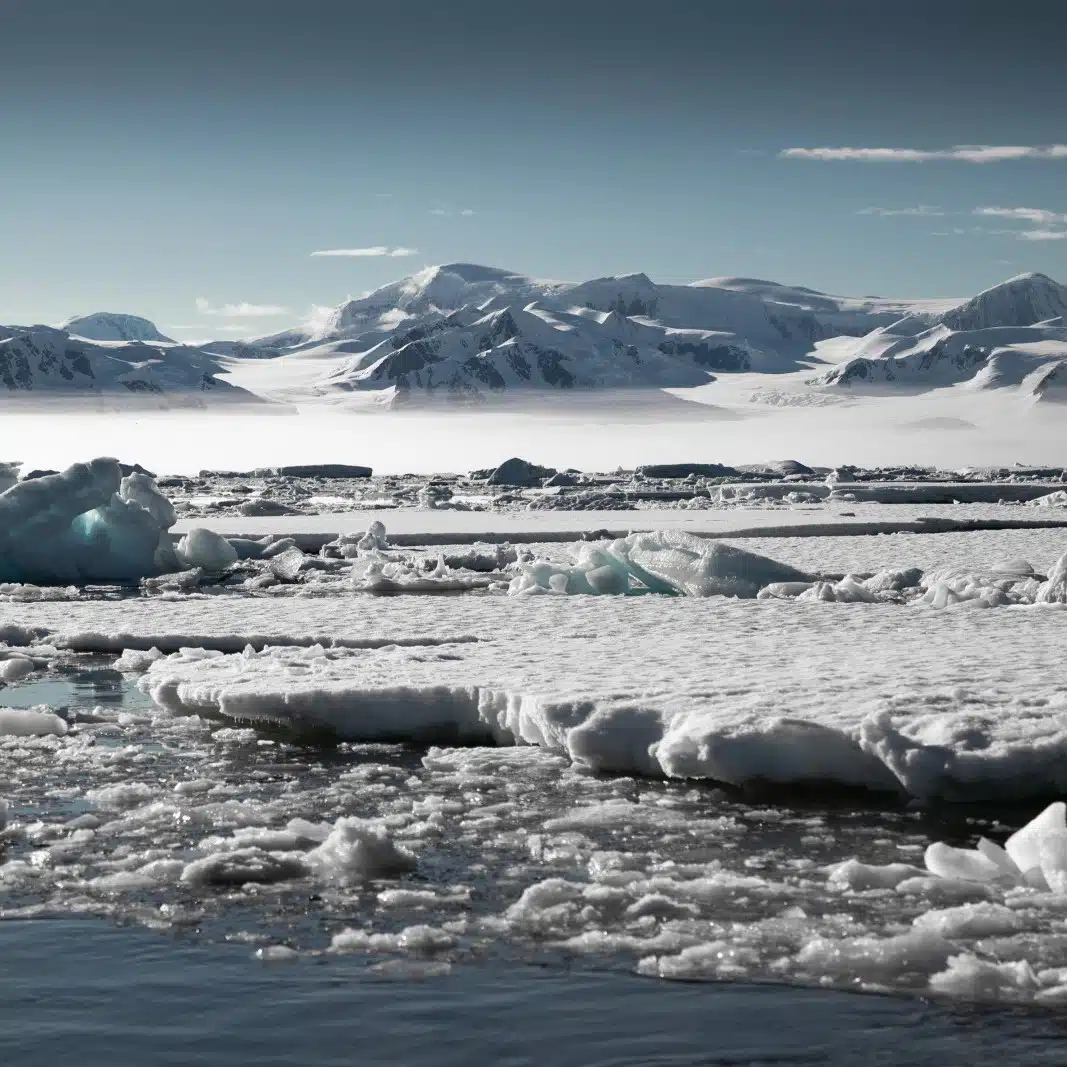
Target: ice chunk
x=1052, y=849
x=419, y=940
x=961, y=863
x=783, y=590
x=358, y=851
x=15, y=668
x=971, y=921
x=243, y=866
x=878, y=960
x=977, y=979
x=134, y=661
x=680, y=562
x=992, y=851
x=87, y=524
x=142, y=490
x=1054, y=591
x=664, y=561
x=855, y=875
x=1024, y=846
x=374, y=538
x=206, y=549
x=34, y=722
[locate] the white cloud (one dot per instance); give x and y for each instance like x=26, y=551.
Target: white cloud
x=374, y=250
x=923, y=211
x=1043, y=235
x=447, y=212
x=239, y=311
x=466, y=212
x=1024, y=214
x=966, y=153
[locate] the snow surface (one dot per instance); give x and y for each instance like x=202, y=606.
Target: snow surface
x=735, y=420
x=868, y=694
x=109, y=326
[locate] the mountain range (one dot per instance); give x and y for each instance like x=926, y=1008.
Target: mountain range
x=465, y=332
x=53, y=363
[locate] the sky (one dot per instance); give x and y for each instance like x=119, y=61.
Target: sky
x=186, y=161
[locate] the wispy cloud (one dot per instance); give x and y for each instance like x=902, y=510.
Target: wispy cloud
x=239, y=311
x=1024, y=214
x=373, y=250
x=1043, y=235
x=923, y=211
x=964, y=153
x=1048, y=225
x=448, y=212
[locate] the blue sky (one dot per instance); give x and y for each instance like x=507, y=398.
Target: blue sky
x=184, y=161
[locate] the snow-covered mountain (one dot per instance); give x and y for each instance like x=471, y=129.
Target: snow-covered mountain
x=109, y=326
x=466, y=355
x=1021, y=301
x=779, y=320
x=468, y=331
x=584, y=334
x=51, y=363
x=1010, y=336
x=994, y=358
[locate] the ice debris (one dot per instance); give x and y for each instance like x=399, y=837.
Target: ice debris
x=205, y=549
x=663, y=561
x=358, y=851
x=31, y=722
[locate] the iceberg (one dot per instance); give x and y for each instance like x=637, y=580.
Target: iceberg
x=87, y=524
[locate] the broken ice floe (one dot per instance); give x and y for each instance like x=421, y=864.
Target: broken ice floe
x=1029, y=871
x=676, y=562
x=432, y=696
x=668, y=561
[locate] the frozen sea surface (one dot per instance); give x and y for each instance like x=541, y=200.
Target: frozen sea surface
x=588, y=804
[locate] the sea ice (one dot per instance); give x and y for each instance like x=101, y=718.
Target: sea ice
x=205, y=549
x=357, y=851
x=33, y=722
x=87, y=524
x=973, y=978
x=663, y=561
x=15, y=667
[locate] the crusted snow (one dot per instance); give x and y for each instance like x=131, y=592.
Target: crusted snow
x=868, y=694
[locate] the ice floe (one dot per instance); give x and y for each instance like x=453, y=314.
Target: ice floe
x=427, y=695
